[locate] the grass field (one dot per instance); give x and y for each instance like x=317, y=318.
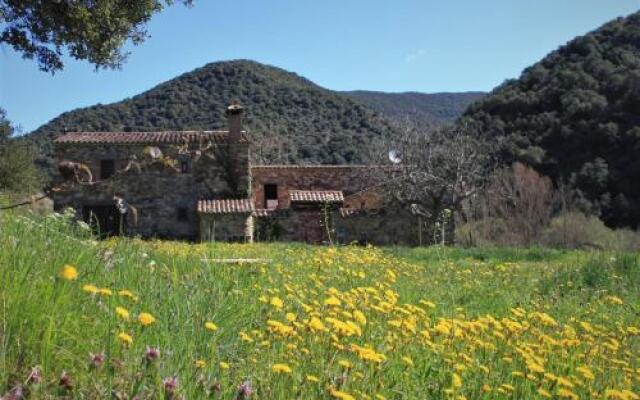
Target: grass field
x=132, y=319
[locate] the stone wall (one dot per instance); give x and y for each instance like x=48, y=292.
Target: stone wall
x=348, y=179
x=226, y=228
x=291, y=225
x=378, y=227
x=165, y=198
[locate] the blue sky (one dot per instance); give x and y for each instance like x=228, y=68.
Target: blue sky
x=402, y=45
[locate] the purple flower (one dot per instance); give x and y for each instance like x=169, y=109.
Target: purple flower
x=35, y=376
x=14, y=394
x=65, y=381
x=170, y=384
x=151, y=354
x=96, y=360
x=245, y=390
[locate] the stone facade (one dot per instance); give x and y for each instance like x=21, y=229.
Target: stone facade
x=201, y=186
x=162, y=192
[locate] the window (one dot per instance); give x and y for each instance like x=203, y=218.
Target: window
x=270, y=196
x=184, y=166
x=182, y=214
x=107, y=168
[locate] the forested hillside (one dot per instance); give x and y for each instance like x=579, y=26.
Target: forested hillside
x=575, y=116
x=419, y=108
x=290, y=118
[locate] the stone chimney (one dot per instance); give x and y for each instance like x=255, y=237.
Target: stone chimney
x=234, y=117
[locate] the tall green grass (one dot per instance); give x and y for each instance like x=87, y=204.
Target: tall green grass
x=50, y=323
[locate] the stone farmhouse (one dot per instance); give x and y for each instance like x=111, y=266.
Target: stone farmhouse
x=201, y=185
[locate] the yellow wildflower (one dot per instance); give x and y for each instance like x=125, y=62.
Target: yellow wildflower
x=69, y=272
x=290, y=317
x=224, y=365
x=312, y=378
x=544, y=393
x=105, y=292
x=456, y=381
x=211, y=326
x=332, y=301
x=125, y=338
x=614, y=300
x=122, y=313
x=146, y=319
x=341, y=395
x=200, y=364
x=91, y=289
x=281, y=368
x=345, y=364
x=128, y=294
x=277, y=303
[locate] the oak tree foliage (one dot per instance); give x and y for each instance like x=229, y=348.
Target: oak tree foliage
x=91, y=30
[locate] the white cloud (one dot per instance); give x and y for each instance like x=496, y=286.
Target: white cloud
x=414, y=55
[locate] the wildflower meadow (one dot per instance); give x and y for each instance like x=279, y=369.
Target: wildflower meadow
x=132, y=319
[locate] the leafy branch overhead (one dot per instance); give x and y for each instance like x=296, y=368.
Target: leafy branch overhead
x=94, y=31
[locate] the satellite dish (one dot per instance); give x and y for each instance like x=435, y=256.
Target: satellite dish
x=153, y=152
x=394, y=156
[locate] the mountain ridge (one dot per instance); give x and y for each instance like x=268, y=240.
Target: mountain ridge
x=292, y=119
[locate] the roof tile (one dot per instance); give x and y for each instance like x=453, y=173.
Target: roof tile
x=316, y=196
x=225, y=206
x=162, y=137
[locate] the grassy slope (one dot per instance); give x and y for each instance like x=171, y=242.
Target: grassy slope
x=51, y=323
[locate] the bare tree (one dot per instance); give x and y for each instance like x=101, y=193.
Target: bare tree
x=516, y=206
x=433, y=173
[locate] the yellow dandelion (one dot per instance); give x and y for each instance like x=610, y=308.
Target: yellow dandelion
x=276, y=302
x=211, y=326
x=69, y=273
x=200, y=364
x=290, y=317
x=128, y=294
x=91, y=289
x=341, y=395
x=281, y=368
x=125, y=338
x=316, y=324
x=122, y=313
x=105, y=292
x=456, y=381
x=614, y=300
x=544, y=393
x=224, y=365
x=332, y=301
x=567, y=394
x=146, y=319
x=359, y=317
x=345, y=364
x=312, y=378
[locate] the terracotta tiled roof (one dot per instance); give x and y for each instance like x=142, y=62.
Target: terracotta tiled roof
x=311, y=166
x=316, y=196
x=263, y=212
x=225, y=206
x=164, y=137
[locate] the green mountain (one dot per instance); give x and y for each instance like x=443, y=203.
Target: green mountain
x=575, y=116
x=289, y=118
x=419, y=108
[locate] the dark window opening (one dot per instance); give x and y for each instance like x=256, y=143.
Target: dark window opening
x=107, y=168
x=270, y=195
x=104, y=220
x=182, y=214
x=184, y=167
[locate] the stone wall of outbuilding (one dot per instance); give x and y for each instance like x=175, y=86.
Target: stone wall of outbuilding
x=164, y=197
